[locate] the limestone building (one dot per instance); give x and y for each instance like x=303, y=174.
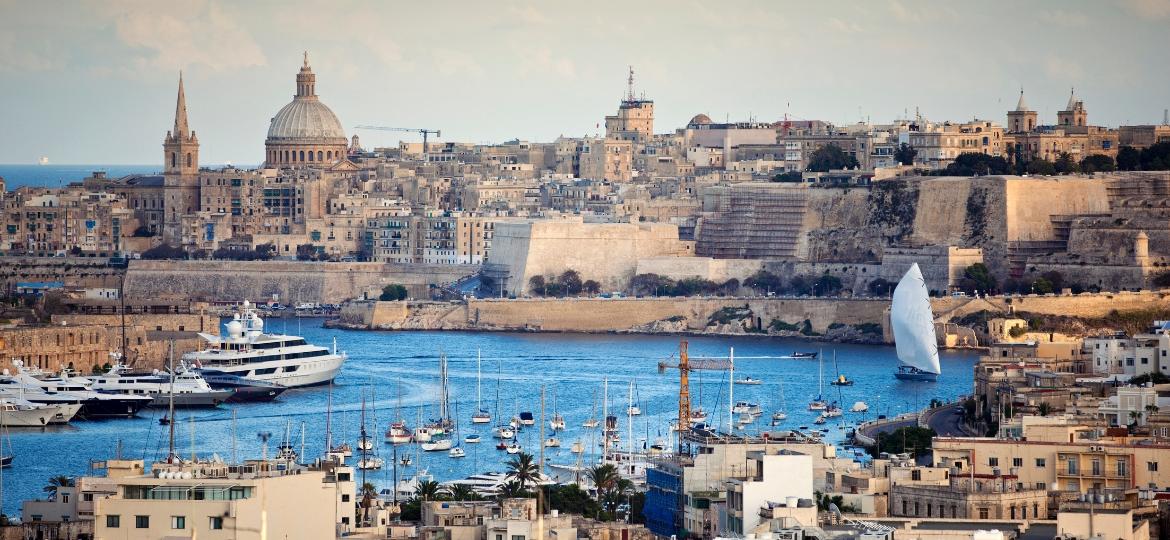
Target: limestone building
x=180, y=170
x=1027, y=139
x=305, y=132
x=634, y=120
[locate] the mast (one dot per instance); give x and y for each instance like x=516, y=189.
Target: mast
x=444, y=413
x=329, y=419
x=478, y=380
x=605, y=419
x=731, y=391
x=630, y=421
x=171, y=405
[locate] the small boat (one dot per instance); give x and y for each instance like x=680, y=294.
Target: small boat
x=820, y=419
x=526, y=419
x=5, y=462
x=742, y=407
x=779, y=416
x=164, y=421
x=504, y=431
x=456, y=452
x=833, y=410
x=749, y=381
x=552, y=442
x=405, y=461
x=798, y=354
x=859, y=406
x=472, y=439
x=577, y=447
x=501, y=445
x=513, y=448
x=344, y=449
x=590, y=423
x=398, y=433
x=436, y=444
x=841, y=381
x=481, y=417
x=557, y=423
x=370, y=463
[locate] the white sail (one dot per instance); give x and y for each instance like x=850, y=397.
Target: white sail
x=913, y=323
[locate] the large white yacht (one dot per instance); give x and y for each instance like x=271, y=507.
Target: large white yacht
x=248, y=352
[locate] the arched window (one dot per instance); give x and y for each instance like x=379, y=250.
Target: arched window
x=310, y=155
x=286, y=156
x=174, y=160
x=329, y=155
x=302, y=160
x=320, y=156
x=188, y=159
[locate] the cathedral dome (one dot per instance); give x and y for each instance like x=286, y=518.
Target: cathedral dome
x=700, y=119
x=305, y=118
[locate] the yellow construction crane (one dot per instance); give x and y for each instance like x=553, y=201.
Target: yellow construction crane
x=684, y=367
x=424, y=131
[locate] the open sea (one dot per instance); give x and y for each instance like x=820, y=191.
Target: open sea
x=393, y=367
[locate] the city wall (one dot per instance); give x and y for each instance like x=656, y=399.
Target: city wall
x=73, y=271
x=289, y=281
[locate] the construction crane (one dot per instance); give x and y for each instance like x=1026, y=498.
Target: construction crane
x=424, y=131
x=684, y=368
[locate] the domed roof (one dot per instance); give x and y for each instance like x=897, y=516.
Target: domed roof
x=305, y=119
x=700, y=120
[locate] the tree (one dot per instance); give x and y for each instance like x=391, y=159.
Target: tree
x=764, y=281
x=571, y=499
x=463, y=492
x=880, y=287
x=164, y=251
x=591, y=287
x=1044, y=409
x=523, y=470
x=1098, y=163
x=827, y=285
x=649, y=284
x=58, y=481
x=143, y=232
x=976, y=163
x=1065, y=164
x=427, y=490
x=1055, y=279
x=393, y=292
x=1156, y=157
x=977, y=278
x=1041, y=167
x=310, y=252
x=905, y=154
x=605, y=478
x=790, y=176
x=1042, y=286
x=1128, y=158
x=536, y=285
x=570, y=281
x=904, y=439
x=829, y=157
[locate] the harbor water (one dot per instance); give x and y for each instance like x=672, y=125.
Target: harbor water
x=392, y=368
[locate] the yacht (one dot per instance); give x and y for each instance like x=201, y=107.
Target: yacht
x=398, y=433
x=552, y=442
x=189, y=388
x=436, y=444
x=503, y=431
x=472, y=439
x=526, y=419
x=15, y=412
x=243, y=390
x=456, y=452
x=745, y=407
x=859, y=406
x=749, y=381
x=249, y=352
x=67, y=389
x=513, y=448
x=67, y=406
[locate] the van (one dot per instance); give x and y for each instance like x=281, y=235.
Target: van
x=958, y=294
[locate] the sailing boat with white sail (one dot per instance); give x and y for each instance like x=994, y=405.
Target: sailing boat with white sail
x=819, y=403
x=913, y=324
x=481, y=416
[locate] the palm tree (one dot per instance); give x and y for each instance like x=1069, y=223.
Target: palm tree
x=58, y=481
x=605, y=478
x=1043, y=409
x=621, y=488
x=523, y=470
x=511, y=490
x=463, y=492
x=427, y=490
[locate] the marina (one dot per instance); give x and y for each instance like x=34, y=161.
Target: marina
x=570, y=366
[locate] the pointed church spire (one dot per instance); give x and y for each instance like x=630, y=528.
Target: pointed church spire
x=1022, y=105
x=1072, y=99
x=180, y=131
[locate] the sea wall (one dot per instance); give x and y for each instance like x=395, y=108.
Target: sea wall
x=289, y=281
x=1087, y=305
x=75, y=272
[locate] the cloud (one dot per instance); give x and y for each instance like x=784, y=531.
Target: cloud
x=451, y=62
x=1154, y=9
x=19, y=55
x=175, y=35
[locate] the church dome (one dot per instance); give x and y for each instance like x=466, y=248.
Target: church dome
x=700, y=120
x=305, y=118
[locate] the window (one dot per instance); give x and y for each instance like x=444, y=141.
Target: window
x=517, y=537
x=1152, y=466
x=993, y=462
x=983, y=513
x=141, y=522
x=215, y=523
x=1122, y=467
x=1041, y=462
x=345, y=498
x=113, y=521
x=178, y=522
x=1017, y=462
x=1072, y=465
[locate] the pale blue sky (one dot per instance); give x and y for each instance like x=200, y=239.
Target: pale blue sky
x=94, y=81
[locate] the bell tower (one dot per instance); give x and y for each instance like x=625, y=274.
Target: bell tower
x=1074, y=114
x=180, y=171
x=1023, y=119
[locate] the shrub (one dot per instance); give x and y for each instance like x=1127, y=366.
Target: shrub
x=393, y=292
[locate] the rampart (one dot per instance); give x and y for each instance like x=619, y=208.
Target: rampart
x=288, y=281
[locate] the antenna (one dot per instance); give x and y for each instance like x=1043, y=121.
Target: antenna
x=630, y=85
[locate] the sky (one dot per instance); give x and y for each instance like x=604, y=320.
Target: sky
x=95, y=81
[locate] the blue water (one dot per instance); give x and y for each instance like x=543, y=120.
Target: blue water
x=60, y=175
x=570, y=366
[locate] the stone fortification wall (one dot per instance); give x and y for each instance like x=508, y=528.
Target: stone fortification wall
x=605, y=252
x=292, y=281
x=170, y=322
x=1086, y=305
x=75, y=272
x=717, y=270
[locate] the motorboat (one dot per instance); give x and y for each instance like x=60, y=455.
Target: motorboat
x=698, y=415
x=456, y=452
x=859, y=407
x=187, y=387
x=243, y=389
x=472, y=439
x=742, y=407
x=247, y=351
x=798, y=354
x=504, y=431
x=526, y=419
x=66, y=404
x=633, y=410
x=398, y=433
x=365, y=445
x=749, y=381
x=15, y=412
x=428, y=432
x=436, y=444
x=557, y=423
x=513, y=448
x=779, y=416
x=69, y=388
x=913, y=323
x=841, y=381
x=552, y=442
x=832, y=411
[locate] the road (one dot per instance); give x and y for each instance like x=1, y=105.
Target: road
x=946, y=422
